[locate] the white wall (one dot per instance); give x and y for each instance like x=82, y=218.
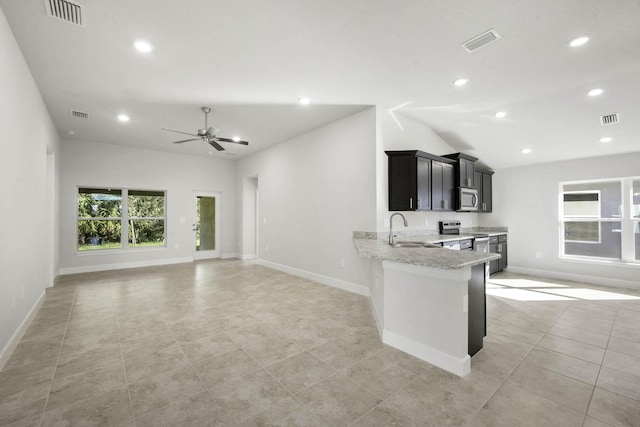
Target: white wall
x=249, y=211
x=86, y=164
x=412, y=136
x=525, y=199
x=28, y=134
x=314, y=191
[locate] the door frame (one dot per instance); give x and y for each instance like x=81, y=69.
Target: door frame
x=216, y=253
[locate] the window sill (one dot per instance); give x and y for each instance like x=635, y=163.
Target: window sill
x=607, y=263
x=120, y=251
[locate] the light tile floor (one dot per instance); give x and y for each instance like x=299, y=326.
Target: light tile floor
x=225, y=343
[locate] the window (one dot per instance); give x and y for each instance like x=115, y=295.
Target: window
x=146, y=218
x=601, y=219
x=104, y=213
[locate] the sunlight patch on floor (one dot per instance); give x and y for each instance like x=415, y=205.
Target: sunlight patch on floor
x=533, y=290
x=525, y=283
x=589, y=294
x=525, y=295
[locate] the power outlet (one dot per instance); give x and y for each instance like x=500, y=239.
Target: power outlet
x=266, y=248
x=386, y=222
x=342, y=263
x=426, y=222
x=177, y=246
x=538, y=255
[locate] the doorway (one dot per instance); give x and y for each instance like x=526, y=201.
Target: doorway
x=207, y=225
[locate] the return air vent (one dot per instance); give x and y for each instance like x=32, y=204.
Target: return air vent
x=68, y=11
x=79, y=114
x=610, y=119
x=481, y=40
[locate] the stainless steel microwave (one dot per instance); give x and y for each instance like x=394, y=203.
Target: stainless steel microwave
x=467, y=199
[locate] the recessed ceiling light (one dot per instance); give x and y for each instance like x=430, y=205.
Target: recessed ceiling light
x=304, y=101
x=595, y=92
x=210, y=152
x=501, y=114
x=123, y=118
x=606, y=139
x=578, y=41
x=460, y=82
x=526, y=150
x=71, y=132
x=236, y=138
x=143, y=46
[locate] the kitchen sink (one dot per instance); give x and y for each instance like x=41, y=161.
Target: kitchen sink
x=413, y=244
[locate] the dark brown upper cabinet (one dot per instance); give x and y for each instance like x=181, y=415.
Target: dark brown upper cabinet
x=442, y=185
x=484, y=185
x=464, y=170
x=409, y=181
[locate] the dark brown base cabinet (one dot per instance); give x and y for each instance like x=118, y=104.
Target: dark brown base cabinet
x=498, y=245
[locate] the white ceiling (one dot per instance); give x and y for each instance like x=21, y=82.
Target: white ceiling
x=250, y=60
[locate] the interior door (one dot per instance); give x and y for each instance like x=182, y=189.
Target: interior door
x=207, y=225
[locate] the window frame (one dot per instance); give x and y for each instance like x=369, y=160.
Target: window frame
x=626, y=220
x=124, y=222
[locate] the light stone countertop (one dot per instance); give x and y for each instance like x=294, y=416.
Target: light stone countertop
x=445, y=259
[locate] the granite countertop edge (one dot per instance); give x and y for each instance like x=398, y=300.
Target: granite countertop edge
x=370, y=245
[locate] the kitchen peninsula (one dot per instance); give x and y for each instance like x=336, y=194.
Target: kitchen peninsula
x=423, y=297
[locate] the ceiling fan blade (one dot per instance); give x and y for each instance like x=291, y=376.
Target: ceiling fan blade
x=179, y=131
x=185, y=140
x=232, y=141
x=215, y=145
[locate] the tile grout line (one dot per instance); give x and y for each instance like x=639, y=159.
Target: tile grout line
x=124, y=369
x=55, y=369
x=502, y=383
x=599, y=370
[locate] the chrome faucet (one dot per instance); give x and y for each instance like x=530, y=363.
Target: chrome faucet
x=391, y=236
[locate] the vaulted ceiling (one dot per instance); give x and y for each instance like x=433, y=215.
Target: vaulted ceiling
x=251, y=60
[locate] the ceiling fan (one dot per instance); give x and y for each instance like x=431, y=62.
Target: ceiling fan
x=208, y=134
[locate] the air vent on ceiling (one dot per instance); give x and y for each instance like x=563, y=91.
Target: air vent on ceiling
x=481, y=40
x=67, y=11
x=610, y=119
x=79, y=114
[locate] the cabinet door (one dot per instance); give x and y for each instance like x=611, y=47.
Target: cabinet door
x=442, y=186
x=487, y=193
x=424, y=184
x=477, y=180
x=502, y=250
x=437, y=176
x=467, y=171
x=403, y=183
x=448, y=187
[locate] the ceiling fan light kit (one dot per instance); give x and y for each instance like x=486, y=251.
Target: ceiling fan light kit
x=207, y=134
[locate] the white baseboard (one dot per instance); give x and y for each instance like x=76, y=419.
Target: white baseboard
x=603, y=281
x=460, y=367
x=247, y=257
x=326, y=280
x=228, y=255
x=123, y=265
x=19, y=333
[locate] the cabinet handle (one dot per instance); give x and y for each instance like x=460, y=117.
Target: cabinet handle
x=410, y=202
